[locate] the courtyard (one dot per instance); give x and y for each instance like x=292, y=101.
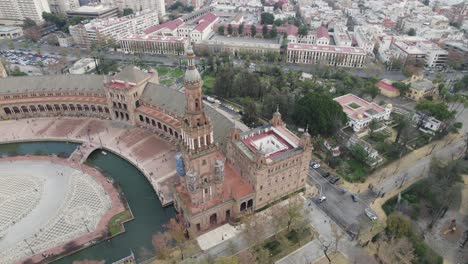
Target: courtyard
x=46, y=203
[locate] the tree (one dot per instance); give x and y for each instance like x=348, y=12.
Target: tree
x=278, y=22
x=127, y=11
x=250, y=114
x=240, y=29
x=263, y=256
x=254, y=228
x=398, y=225
x=455, y=60
x=267, y=18
x=29, y=23
x=373, y=125
x=229, y=29
x=273, y=32
x=438, y=110
x=412, y=32
x=253, y=30
x=322, y=114
x=221, y=30
x=426, y=2
x=395, y=251
x=302, y=30
x=178, y=234
x=17, y=72
x=359, y=153
x=337, y=235
x=161, y=244
x=295, y=213
x=402, y=87
x=265, y=31
x=462, y=84
x=402, y=126
x=32, y=33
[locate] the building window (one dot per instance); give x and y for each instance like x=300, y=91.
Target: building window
x=198, y=227
x=261, y=187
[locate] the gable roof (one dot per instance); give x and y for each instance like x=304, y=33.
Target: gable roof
x=322, y=32
x=173, y=24
x=131, y=74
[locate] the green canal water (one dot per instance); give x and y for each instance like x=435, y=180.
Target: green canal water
x=150, y=216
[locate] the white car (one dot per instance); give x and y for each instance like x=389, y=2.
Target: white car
x=370, y=214
x=316, y=166
x=322, y=199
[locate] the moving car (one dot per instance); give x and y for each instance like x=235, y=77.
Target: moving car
x=354, y=198
x=370, y=214
x=334, y=180
x=326, y=174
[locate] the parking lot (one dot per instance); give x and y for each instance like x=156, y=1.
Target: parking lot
x=24, y=58
x=339, y=205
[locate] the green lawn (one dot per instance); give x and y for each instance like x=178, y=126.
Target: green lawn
x=176, y=73
x=208, y=84
x=162, y=70
x=115, y=225
x=167, y=81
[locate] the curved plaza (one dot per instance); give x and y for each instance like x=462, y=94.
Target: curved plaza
x=46, y=202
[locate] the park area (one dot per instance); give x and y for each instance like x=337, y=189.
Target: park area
x=168, y=75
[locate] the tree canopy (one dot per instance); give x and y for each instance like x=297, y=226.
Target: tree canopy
x=302, y=30
x=322, y=114
x=402, y=87
x=438, y=110
x=127, y=11
x=267, y=18
x=412, y=32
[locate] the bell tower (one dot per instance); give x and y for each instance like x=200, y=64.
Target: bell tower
x=205, y=172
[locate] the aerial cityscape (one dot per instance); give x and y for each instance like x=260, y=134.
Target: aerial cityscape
x=234, y=131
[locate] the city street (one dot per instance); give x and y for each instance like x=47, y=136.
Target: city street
x=339, y=205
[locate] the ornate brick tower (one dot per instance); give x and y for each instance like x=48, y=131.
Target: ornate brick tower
x=205, y=173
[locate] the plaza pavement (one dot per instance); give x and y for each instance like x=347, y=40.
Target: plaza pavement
x=149, y=152
x=75, y=204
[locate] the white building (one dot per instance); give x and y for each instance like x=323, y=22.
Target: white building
x=112, y=28
x=428, y=124
x=139, y=5
x=154, y=44
x=361, y=112
x=342, y=37
x=62, y=6
x=83, y=66
x=22, y=9
x=436, y=57
x=328, y=55
x=10, y=32
x=364, y=39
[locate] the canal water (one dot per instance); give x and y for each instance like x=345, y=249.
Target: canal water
x=150, y=216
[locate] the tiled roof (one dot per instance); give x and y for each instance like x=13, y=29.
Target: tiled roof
x=322, y=32
x=386, y=86
x=54, y=83
x=173, y=24
x=363, y=108
x=205, y=21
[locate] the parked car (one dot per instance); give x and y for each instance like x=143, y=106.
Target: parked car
x=322, y=199
x=354, y=197
x=326, y=174
x=334, y=180
x=370, y=214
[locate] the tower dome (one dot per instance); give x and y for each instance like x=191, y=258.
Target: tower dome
x=191, y=74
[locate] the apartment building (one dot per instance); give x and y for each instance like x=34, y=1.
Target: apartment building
x=328, y=55
x=22, y=9
x=138, y=5
x=62, y=6
x=342, y=37
x=113, y=28
x=154, y=44
x=94, y=11
x=364, y=39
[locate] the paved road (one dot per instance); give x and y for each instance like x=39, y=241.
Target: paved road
x=312, y=251
x=339, y=205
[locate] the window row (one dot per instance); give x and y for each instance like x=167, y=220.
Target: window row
x=159, y=125
x=54, y=107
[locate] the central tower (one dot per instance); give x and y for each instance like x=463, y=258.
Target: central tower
x=205, y=172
